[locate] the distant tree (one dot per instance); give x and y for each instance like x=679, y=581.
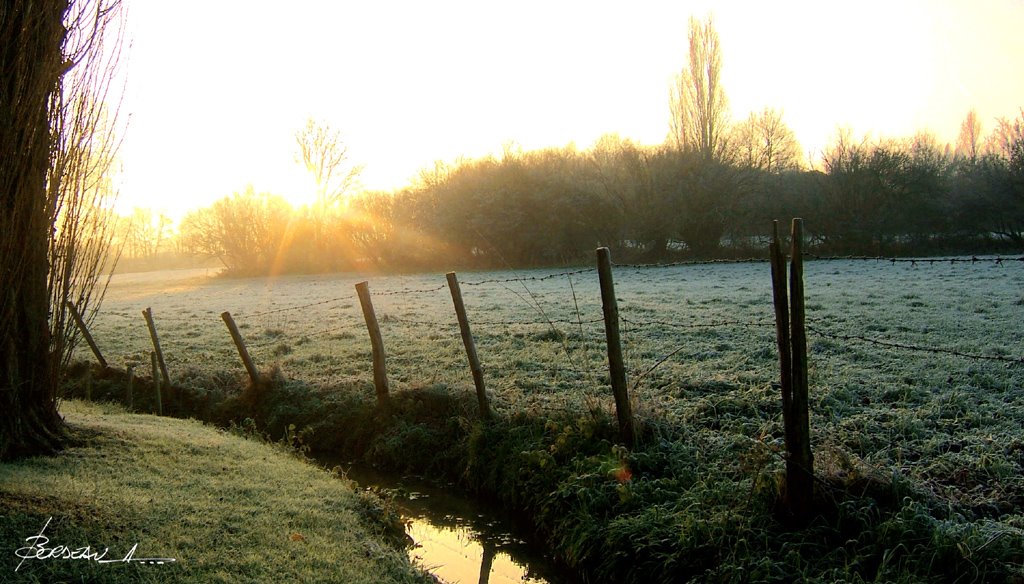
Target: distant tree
x=997, y=205
x=853, y=202
x=885, y=195
x=1007, y=140
x=325, y=156
x=764, y=142
x=698, y=107
x=372, y=228
x=621, y=170
x=968, y=142
x=921, y=207
x=145, y=232
x=702, y=198
x=248, y=232
x=704, y=189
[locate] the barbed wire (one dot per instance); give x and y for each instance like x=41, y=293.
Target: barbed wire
x=290, y=308
x=473, y=323
x=485, y=282
x=750, y=260
x=529, y=278
x=566, y=322
x=413, y=291
x=998, y=260
x=691, y=325
x=166, y=317
x=388, y=319
x=913, y=347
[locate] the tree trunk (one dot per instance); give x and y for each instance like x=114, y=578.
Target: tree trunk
x=31, y=39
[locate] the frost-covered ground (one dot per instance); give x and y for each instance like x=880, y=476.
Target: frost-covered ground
x=699, y=344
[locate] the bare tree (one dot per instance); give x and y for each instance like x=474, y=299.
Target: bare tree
x=1007, y=140
x=248, y=231
x=698, y=107
x=325, y=156
x=763, y=141
x=144, y=233
x=968, y=142
x=55, y=227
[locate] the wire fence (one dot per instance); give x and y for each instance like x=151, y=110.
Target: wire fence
x=549, y=325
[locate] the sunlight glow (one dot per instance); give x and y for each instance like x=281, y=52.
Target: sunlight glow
x=216, y=91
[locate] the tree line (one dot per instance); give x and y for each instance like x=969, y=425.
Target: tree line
x=709, y=191
x=651, y=203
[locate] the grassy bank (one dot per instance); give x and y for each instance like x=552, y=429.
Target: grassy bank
x=226, y=509
x=689, y=503
x=692, y=502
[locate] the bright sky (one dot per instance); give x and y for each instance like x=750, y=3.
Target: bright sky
x=218, y=88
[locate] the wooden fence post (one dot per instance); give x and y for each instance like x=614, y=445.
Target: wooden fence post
x=780, y=297
x=467, y=340
x=236, y=336
x=156, y=383
x=380, y=372
x=131, y=390
x=804, y=485
x=85, y=333
x=616, y=366
x=148, y=314
x=792, y=342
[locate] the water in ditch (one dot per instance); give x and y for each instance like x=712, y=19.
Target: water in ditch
x=459, y=540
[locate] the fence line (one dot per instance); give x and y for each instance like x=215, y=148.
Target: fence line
x=639, y=371
x=998, y=260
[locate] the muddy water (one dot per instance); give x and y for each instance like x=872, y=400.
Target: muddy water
x=459, y=540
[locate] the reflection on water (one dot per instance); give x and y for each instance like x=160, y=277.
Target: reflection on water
x=455, y=555
x=458, y=540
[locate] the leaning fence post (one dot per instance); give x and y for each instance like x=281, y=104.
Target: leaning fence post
x=380, y=373
x=792, y=340
x=156, y=383
x=616, y=366
x=236, y=336
x=467, y=340
x=148, y=314
x=85, y=333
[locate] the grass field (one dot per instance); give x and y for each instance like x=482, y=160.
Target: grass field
x=700, y=351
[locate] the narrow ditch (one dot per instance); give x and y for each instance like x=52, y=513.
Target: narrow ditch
x=459, y=540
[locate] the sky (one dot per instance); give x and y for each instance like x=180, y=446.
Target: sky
x=216, y=89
